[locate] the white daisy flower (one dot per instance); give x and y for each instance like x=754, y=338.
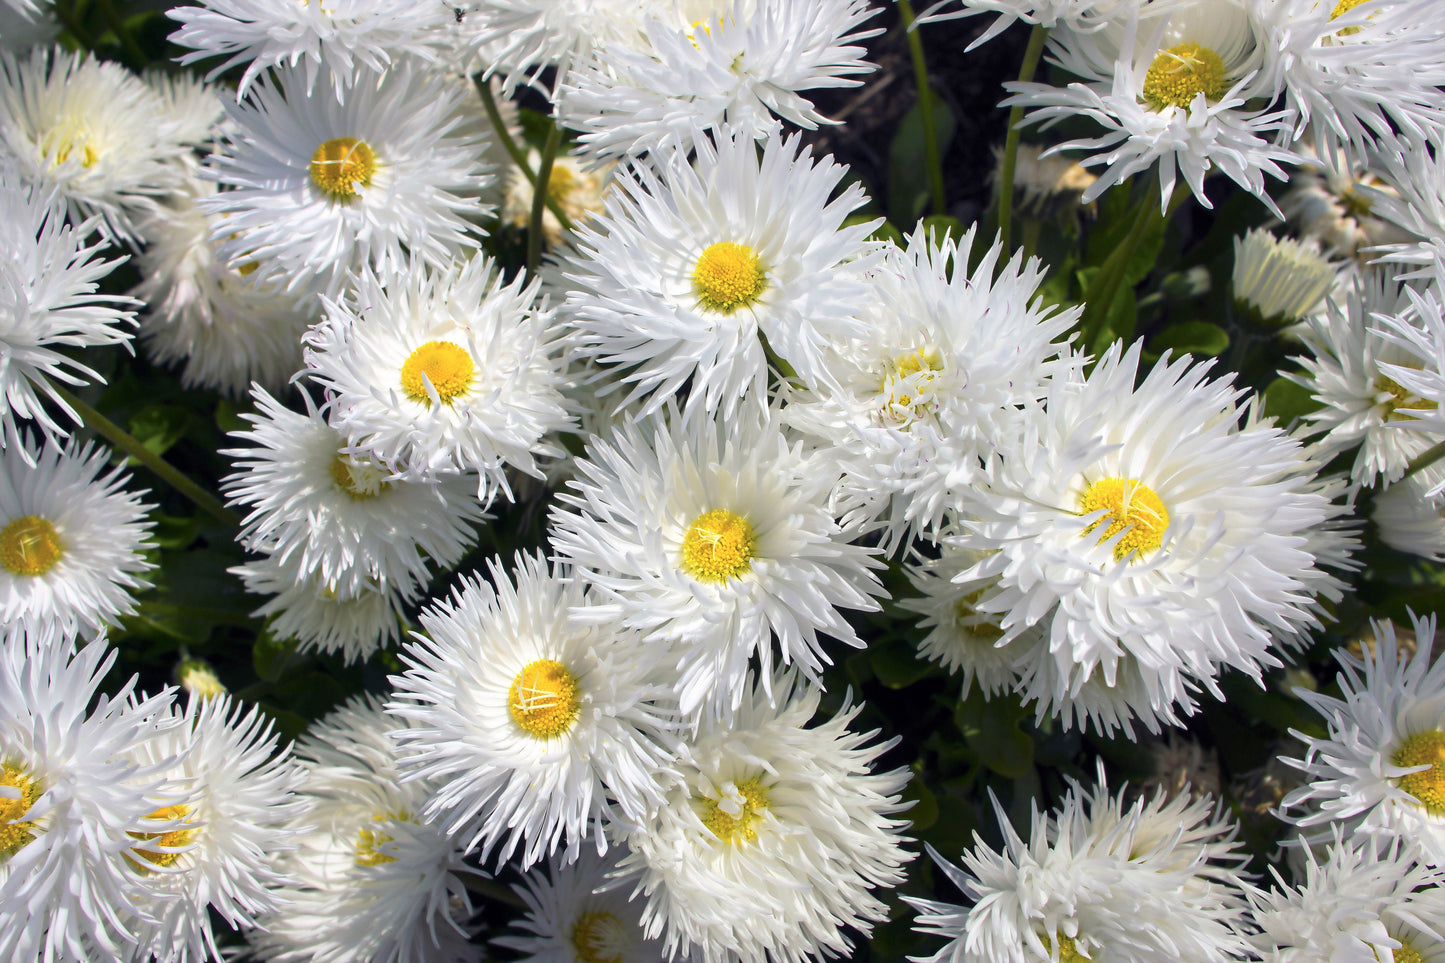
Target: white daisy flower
x=1380, y=769
x=218, y=851
x=25, y=25
x=575, y=914
x=445, y=372
x=316, y=187
x=71, y=539
x=1158, y=879
x=776, y=838
x=743, y=63
x=338, y=41
x=1160, y=532
x=536, y=728
x=48, y=298
x=342, y=518
x=1336, y=208
x=92, y=132
x=369, y=879
x=685, y=275
x=1408, y=519
x=194, y=107
x=1359, y=902
x=1414, y=202
x=716, y=541
x=1279, y=280
x=1079, y=16
x=521, y=38
x=73, y=800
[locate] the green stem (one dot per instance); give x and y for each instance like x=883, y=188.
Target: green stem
x=539, y=197
x=1100, y=296
x=494, y=114
x=925, y=107
x=1425, y=460
x=1030, y=64
x=65, y=13
x=127, y=443
x=1033, y=226
x=123, y=35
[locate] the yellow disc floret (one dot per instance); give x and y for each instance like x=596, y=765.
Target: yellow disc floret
x=14, y=834
x=1406, y=953
x=734, y=819
x=599, y=938
x=909, y=381
x=543, y=699
x=340, y=164
x=1428, y=785
x=448, y=366
x=369, y=841
x=359, y=480
x=1344, y=7
x=1068, y=950
x=727, y=277
x=718, y=546
x=1131, y=505
x=174, y=839
x=1181, y=73
x=30, y=545
x=1398, y=397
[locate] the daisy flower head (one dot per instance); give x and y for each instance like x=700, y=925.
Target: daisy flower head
x=775, y=838
x=92, y=132
x=1080, y=16
x=535, y=728
x=315, y=187
x=1378, y=771
x=192, y=105
x=369, y=879
x=49, y=277
x=72, y=539
x=446, y=371
x=1408, y=519
x=1279, y=280
x=714, y=543
x=688, y=271
x=519, y=39
x=342, y=517
x=1337, y=209
x=1158, y=531
x=339, y=41
x=1171, y=87
x=576, y=913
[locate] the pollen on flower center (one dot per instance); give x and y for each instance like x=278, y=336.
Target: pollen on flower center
x=369, y=841
x=599, y=938
x=973, y=625
x=1180, y=73
x=734, y=817
x=718, y=546
x=30, y=545
x=60, y=144
x=359, y=480
x=543, y=699
x=13, y=833
x=1342, y=8
x=1131, y=505
x=727, y=277
x=340, y=164
x=1428, y=785
x=174, y=839
x=446, y=365
x=909, y=381
x=1068, y=951
x=1407, y=953
x=1399, y=398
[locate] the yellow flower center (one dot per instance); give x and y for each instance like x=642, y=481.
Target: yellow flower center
x=447, y=366
x=1342, y=8
x=173, y=839
x=1182, y=72
x=369, y=841
x=909, y=381
x=1428, y=785
x=599, y=938
x=560, y=183
x=727, y=276
x=734, y=818
x=29, y=545
x=340, y=164
x=1068, y=951
x=14, y=834
x=60, y=144
x=718, y=546
x=199, y=679
x=543, y=699
x=1131, y=505
x=360, y=480
x=1398, y=398
x=973, y=625
x=1406, y=953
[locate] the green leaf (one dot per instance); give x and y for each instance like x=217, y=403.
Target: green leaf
x=896, y=665
x=174, y=532
x=1287, y=401
x=1116, y=219
x=268, y=656
x=228, y=417
x=1192, y=337
x=942, y=225
x=908, y=160
x=991, y=727
x=158, y=427
x=925, y=809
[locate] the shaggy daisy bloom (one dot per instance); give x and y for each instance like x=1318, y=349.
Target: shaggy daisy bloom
x=1336, y=208
x=1408, y=519
x=1380, y=769
x=1279, y=280
x=1159, y=532
x=339, y=40
x=438, y=373
x=1171, y=85
x=575, y=913
x=535, y=728
x=341, y=517
x=368, y=880
x=48, y=299
x=521, y=38
x=686, y=274
x=948, y=355
x=578, y=190
x=192, y=105
x=218, y=851
x=1096, y=880
x=714, y=542
x=775, y=839
x=92, y=132
x=74, y=803
x=1079, y=16
x=72, y=539
x=1360, y=901
x=316, y=187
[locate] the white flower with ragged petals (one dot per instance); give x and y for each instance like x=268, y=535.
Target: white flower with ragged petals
x=435, y=373
x=1079, y=16
x=192, y=106
x=575, y=913
x=536, y=728
x=714, y=541
x=1418, y=382
x=521, y=38
x=314, y=187
x=1336, y=208
x=776, y=838
x=1408, y=519
x=687, y=272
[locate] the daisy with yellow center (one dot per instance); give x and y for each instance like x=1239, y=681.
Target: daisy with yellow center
x=30, y=546
x=734, y=817
x=543, y=699
x=1132, y=510
x=15, y=832
x=1183, y=72
x=438, y=370
x=728, y=276
x=574, y=915
x=718, y=546
x=341, y=165
x=164, y=849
